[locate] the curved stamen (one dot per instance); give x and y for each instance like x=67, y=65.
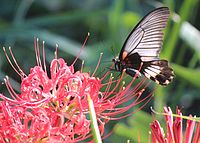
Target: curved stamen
x=37, y=51
x=82, y=64
x=13, y=57
x=44, y=56
x=11, y=63
x=97, y=64
x=81, y=49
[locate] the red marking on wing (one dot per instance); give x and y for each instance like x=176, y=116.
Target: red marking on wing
x=124, y=54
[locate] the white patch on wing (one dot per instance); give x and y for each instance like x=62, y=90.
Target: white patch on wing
x=147, y=58
x=156, y=67
x=171, y=77
x=144, y=47
x=151, y=73
x=157, y=81
x=147, y=75
x=154, y=70
x=166, y=82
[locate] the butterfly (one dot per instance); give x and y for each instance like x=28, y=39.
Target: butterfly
x=141, y=49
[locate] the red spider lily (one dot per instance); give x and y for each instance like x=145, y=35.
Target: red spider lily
x=174, y=132
x=54, y=107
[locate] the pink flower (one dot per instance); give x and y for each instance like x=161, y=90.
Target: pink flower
x=174, y=132
x=54, y=108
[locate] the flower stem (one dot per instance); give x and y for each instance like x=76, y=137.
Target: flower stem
x=95, y=128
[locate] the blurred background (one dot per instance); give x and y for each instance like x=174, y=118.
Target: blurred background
x=67, y=22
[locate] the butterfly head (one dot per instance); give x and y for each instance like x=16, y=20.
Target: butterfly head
x=118, y=64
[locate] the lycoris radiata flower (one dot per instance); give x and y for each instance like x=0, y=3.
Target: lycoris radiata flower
x=52, y=105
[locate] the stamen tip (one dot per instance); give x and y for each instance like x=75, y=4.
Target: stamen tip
x=150, y=132
x=88, y=33
x=152, y=110
x=6, y=78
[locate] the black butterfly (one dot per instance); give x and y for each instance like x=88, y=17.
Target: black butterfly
x=142, y=48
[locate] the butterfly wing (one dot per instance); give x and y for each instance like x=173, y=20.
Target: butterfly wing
x=143, y=46
x=146, y=38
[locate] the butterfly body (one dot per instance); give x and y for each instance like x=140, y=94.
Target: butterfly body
x=140, y=52
x=120, y=65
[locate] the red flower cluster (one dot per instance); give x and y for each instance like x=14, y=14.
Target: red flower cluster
x=54, y=108
x=174, y=133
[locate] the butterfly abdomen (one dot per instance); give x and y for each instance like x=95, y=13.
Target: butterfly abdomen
x=158, y=71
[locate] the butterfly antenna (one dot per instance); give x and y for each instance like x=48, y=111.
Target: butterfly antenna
x=106, y=61
x=107, y=69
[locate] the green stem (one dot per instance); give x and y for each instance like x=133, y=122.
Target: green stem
x=95, y=128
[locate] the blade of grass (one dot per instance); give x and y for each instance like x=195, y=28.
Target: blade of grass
x=184, y=12
x=191, y=35
x=181, y=87
x=51, y=39
x=65, y=17
x=114, y=18
x=189, y=75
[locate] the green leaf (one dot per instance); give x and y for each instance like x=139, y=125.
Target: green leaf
x=186, y=74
